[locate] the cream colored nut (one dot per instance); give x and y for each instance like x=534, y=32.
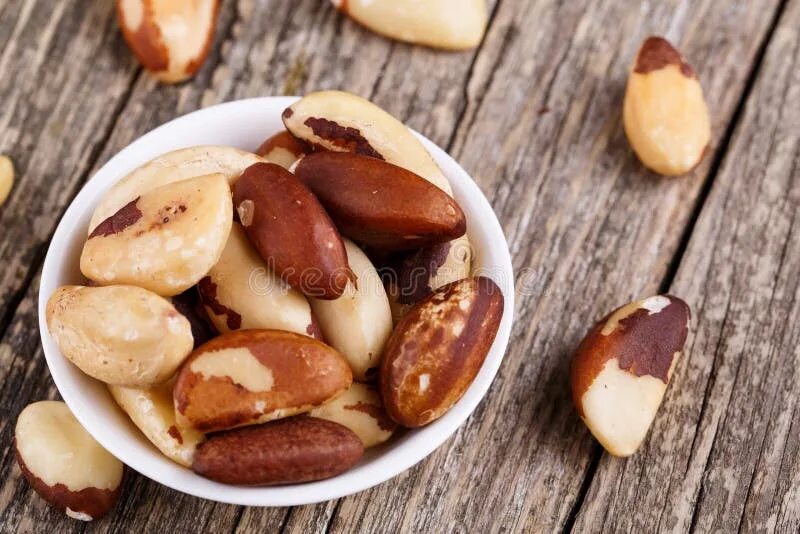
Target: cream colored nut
x=166, y=240
x=122, y=335
x=358, y=323
x=665, y=114
x=6, y=177
x=342, y=122
x=449, y=24
x=360, y=409
x=241, y=292
x=64, y=464
x=170, y=38
x=153, y=412
x=621, y=370
x=172, y=167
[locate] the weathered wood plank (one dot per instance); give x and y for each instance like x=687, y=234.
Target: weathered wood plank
x=722, y=455
x=64, y=71
x=588, y=228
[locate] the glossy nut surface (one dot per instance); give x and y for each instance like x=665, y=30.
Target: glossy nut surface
x=343, y=122
x=253, y=376
x=166, y=240
x=621, y=370
x=361, y=410
x=298, y=449
x=172, y=167
x=381, y=205
x=291, y=231
x=665, y=114
x=282, y=149
x=170, y=38
x=240, y=292
x=64, y=464
x=437, y=350
x=121, y=335
x=358, y=323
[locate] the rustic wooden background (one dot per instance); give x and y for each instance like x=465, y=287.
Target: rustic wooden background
x=534, y=115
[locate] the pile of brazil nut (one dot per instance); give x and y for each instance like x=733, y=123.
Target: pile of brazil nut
x=235, y=310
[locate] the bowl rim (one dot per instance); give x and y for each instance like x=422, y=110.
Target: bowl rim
x=406, y=452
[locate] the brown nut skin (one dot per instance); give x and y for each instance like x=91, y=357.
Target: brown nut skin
x=249, y=377
x=379, y=204
x=620, y=372
x=298, y=449
x=190, y=306
x=282, y=149
x=64, y=464
x=291, y=231
x=437, y=350
x=170, y=38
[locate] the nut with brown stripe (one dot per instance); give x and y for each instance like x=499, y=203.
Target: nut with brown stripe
x=665, y=114
x=438, y=348
x=361, y=410
x=253, y=376
x=381, y=205
x=448, y=24
x=122, y=335
x=621, y=369
x=170, y=38
x=172, y=167
x=282, y=149
x=290, y=451
x=153, y=412
x=64, y=464
x=343, y=122
x=166, y=240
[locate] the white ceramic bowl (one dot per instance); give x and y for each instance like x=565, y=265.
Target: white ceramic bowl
x=245, y=124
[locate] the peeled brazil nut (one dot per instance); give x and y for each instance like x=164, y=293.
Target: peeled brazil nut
x=122, y=335
x=361, y=410
x=379, y=204
x=240, y=292
x=282, y=149
x=6, y=177
x=358, y=323
x=64, y=464
x=437, y=350
x=665, y=114
x=253, y=376
x=343, y=122
x=621, y=370
x=448, y=24
x=170, y=38
x=152, y=411
x=166, y=240
x=299, y=449
x=291, y=231
x=172, y=167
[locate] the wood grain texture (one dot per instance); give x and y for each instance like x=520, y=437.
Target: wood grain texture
x=534, y=115
x=722, y=455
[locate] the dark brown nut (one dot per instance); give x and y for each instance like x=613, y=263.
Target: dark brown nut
x=343, y=122
x=299, y=449
x=381, y=205
x=153, y=412
x=189, y=305
x=166, y=240
x=241, y=292
x=254, y=376
x=122, y=335
x=437, y=350
x=172, y=167
x=665, y=114
x=282, y=149
x=170, y=38
x=64, y=464
x=622, y=367
x=361, y=410
x=291, y=231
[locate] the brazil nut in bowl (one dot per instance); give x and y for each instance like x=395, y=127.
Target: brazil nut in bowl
x=158, y=252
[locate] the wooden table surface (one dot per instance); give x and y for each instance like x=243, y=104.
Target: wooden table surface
x=534, y=114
